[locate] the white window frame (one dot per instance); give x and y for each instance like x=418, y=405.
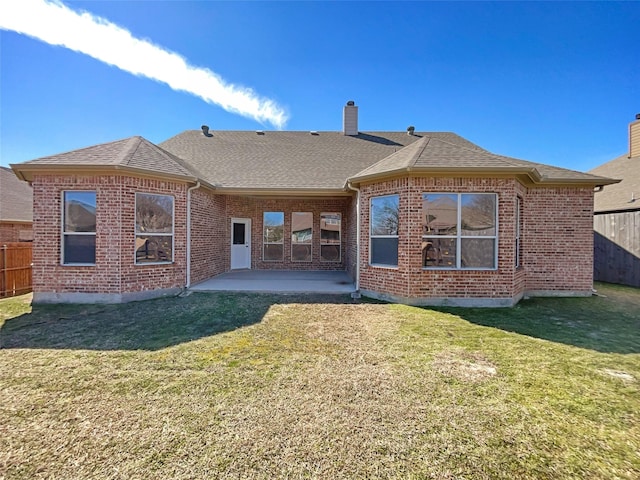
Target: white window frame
x=458, y=237
x=372, y=236
x=64, y=233
x=325, y=243
x=162, y=234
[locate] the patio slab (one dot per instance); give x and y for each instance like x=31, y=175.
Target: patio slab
x=279, y=281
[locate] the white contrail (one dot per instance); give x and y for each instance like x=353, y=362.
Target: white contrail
x=56, y=24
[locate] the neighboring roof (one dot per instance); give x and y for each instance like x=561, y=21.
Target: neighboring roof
x=16, y=198
x=307, y=163
x=132, y=154
x=433, y=155
x=619, y=197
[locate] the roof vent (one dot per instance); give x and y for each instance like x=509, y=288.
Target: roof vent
x=313, y=132
x=637, y=116
x=205, y=131
x=410, y=129
x=260, y=132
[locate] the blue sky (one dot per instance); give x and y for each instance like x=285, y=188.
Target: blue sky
x=555, y=83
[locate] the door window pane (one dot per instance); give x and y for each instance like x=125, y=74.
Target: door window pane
x=238, y=233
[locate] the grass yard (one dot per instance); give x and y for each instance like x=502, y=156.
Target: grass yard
x=261, y=386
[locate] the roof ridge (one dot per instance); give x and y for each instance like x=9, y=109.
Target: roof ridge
x=416, y=155
x=129, y=151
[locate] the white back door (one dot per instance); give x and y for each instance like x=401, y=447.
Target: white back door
x=240, y=243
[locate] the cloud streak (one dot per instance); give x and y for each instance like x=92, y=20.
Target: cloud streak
x=56, y=24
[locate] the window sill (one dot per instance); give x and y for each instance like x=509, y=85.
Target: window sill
x=153, y=263
x=77, y=264
x=386, y=267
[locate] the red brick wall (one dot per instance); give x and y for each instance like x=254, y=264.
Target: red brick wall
x=209, y=235
x=556, y=241
x=15, y=232
x=115, y=271
x=253, y=208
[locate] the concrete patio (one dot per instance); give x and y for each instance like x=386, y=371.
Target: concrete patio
x=279, y=281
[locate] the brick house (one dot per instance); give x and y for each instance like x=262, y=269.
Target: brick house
x=16, y=208
x=413, y=217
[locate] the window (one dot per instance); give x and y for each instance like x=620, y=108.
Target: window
x=79, y=228
x=518, y=231
x=154, y=228
x=330, y=240
x=459, y=230
x=301, y=235
x=273, y=236
x=385, y=215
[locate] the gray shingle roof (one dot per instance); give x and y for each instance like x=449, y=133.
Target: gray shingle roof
x=432, y=154
x=16, y=198
x=319, y=162
x=618, y=197
x=290, y=160
x=134, y=153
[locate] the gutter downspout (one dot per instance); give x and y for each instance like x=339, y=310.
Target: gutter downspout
x=189, y=190
x=357, y=190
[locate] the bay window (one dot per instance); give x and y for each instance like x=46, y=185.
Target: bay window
x=154, y=228
x=384, y=214
x=459, y=230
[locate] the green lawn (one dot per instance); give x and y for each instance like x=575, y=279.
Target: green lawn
x=263, y=386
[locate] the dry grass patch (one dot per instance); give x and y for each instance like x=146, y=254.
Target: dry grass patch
x=259, y=386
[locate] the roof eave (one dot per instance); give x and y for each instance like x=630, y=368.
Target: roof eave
x=288, y=192
x=26, y=171
x=530, y=174
x=466, y=171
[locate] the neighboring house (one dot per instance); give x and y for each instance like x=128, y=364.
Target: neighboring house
x=617, y=217
x=16, y=208
x=413, y=217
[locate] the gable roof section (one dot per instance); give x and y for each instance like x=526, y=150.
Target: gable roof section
x=134, y=154
x=16, y=198
x=436, y=155
x=619, y=197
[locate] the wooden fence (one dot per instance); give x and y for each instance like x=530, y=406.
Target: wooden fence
x=617, y=248
x=15, y=269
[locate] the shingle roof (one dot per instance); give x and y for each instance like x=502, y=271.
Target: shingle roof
x=618, y=197
x=290, y=160
x=430, y=154
x=134, y=153
x=307, y=162
x=16, y=198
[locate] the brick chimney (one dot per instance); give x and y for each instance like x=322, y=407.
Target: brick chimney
x=634, y=137
x=350, y=119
